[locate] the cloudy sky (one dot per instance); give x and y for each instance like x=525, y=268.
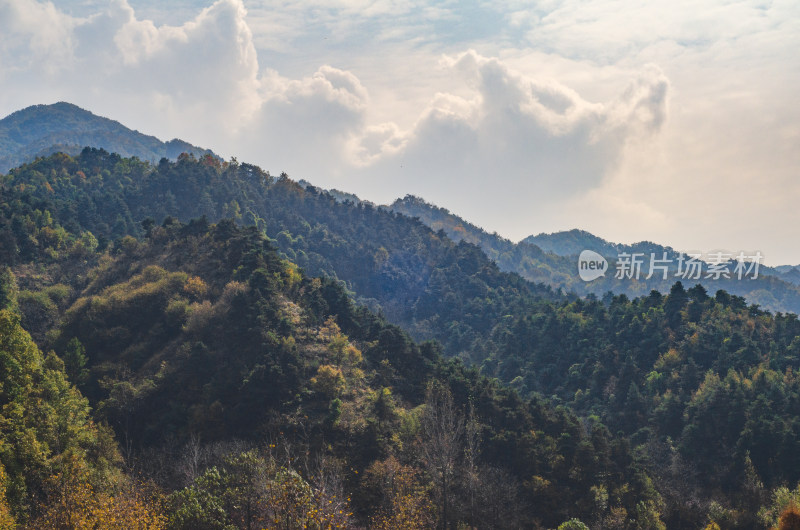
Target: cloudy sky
x=674, y=121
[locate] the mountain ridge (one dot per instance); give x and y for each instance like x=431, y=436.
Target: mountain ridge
x=216, y=320
x=40, y=130
x=553, y=259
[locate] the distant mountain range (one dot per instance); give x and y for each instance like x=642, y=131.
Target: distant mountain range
x=551, y=259
x=194, y=311
x=572, y=242
x=41, y=130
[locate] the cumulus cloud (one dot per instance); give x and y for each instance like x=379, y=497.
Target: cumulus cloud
x=493, y=135
x=515, y=140
x=558, y=120
x=34, y=33
x=207, y=66
x=302, y=125
x=204, y=72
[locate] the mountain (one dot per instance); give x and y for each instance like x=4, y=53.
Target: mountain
x=251, y=340
x=552, y=259
x=392, y=263
x=40, y=130
x=572, y=242
x=527, y=260
x=250, y=392
x=232, y=377
x=341, y=196
x=789, y=273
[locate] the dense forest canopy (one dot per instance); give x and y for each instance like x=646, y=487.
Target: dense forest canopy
x=224, y=340
x=553, y=259
x=41, y=130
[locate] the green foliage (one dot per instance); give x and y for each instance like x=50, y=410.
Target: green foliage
x=240, y=343
x=75, y=362
x=31, y=132
x=8, y=289
x=782, y=499
x=43, y=420
x=573, y=524
x=551, y=259
x=250, y=490
x=420, y=279
x=206, y=329
x=6, y=518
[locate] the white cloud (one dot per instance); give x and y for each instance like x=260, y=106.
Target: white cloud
x=302, y=125
x=517, y=141
x=207, y=66
x=656, y=120
x=33, y=33
x=204, y=72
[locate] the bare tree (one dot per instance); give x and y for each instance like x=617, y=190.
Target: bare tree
x=498, y=502
x=191, y=459
x=442, y=440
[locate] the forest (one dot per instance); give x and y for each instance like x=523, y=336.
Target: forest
x=198, y=344
x=551, y=259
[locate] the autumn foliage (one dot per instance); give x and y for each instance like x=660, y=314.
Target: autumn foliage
x=790, y=518
x=73, y=504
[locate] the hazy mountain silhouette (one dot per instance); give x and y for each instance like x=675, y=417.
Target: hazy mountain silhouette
x=41, y=130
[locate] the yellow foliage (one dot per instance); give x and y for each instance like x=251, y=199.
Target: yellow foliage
x=295, y=504
x=74, y=504
x=195, y=287
x=668, y=361
x=329, y=380
x=292, y=274
x=329, y=330
x=339, y=345
x=406, y=502
x=352, y=355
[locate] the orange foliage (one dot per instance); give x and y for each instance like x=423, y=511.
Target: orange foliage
x=406, y=502
x=790, y=518
x=74, y=504
x=195, y=287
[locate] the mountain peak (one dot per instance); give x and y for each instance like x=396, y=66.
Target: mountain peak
x=572, y=242
x=40, y=130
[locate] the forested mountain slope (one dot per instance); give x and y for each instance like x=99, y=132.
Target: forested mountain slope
x=42, y=130
x=209, y=328
x=553, y=259
x=422, y=280
x=202, y=332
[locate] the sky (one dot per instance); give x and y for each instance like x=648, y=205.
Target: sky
x=670, y=121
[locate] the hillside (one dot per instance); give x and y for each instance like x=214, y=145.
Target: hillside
x=527, y=260
x=572, y=242
x=202, y=332
x=392, y=263
x=553, y=260
x=221, y=318
x=41, y=130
